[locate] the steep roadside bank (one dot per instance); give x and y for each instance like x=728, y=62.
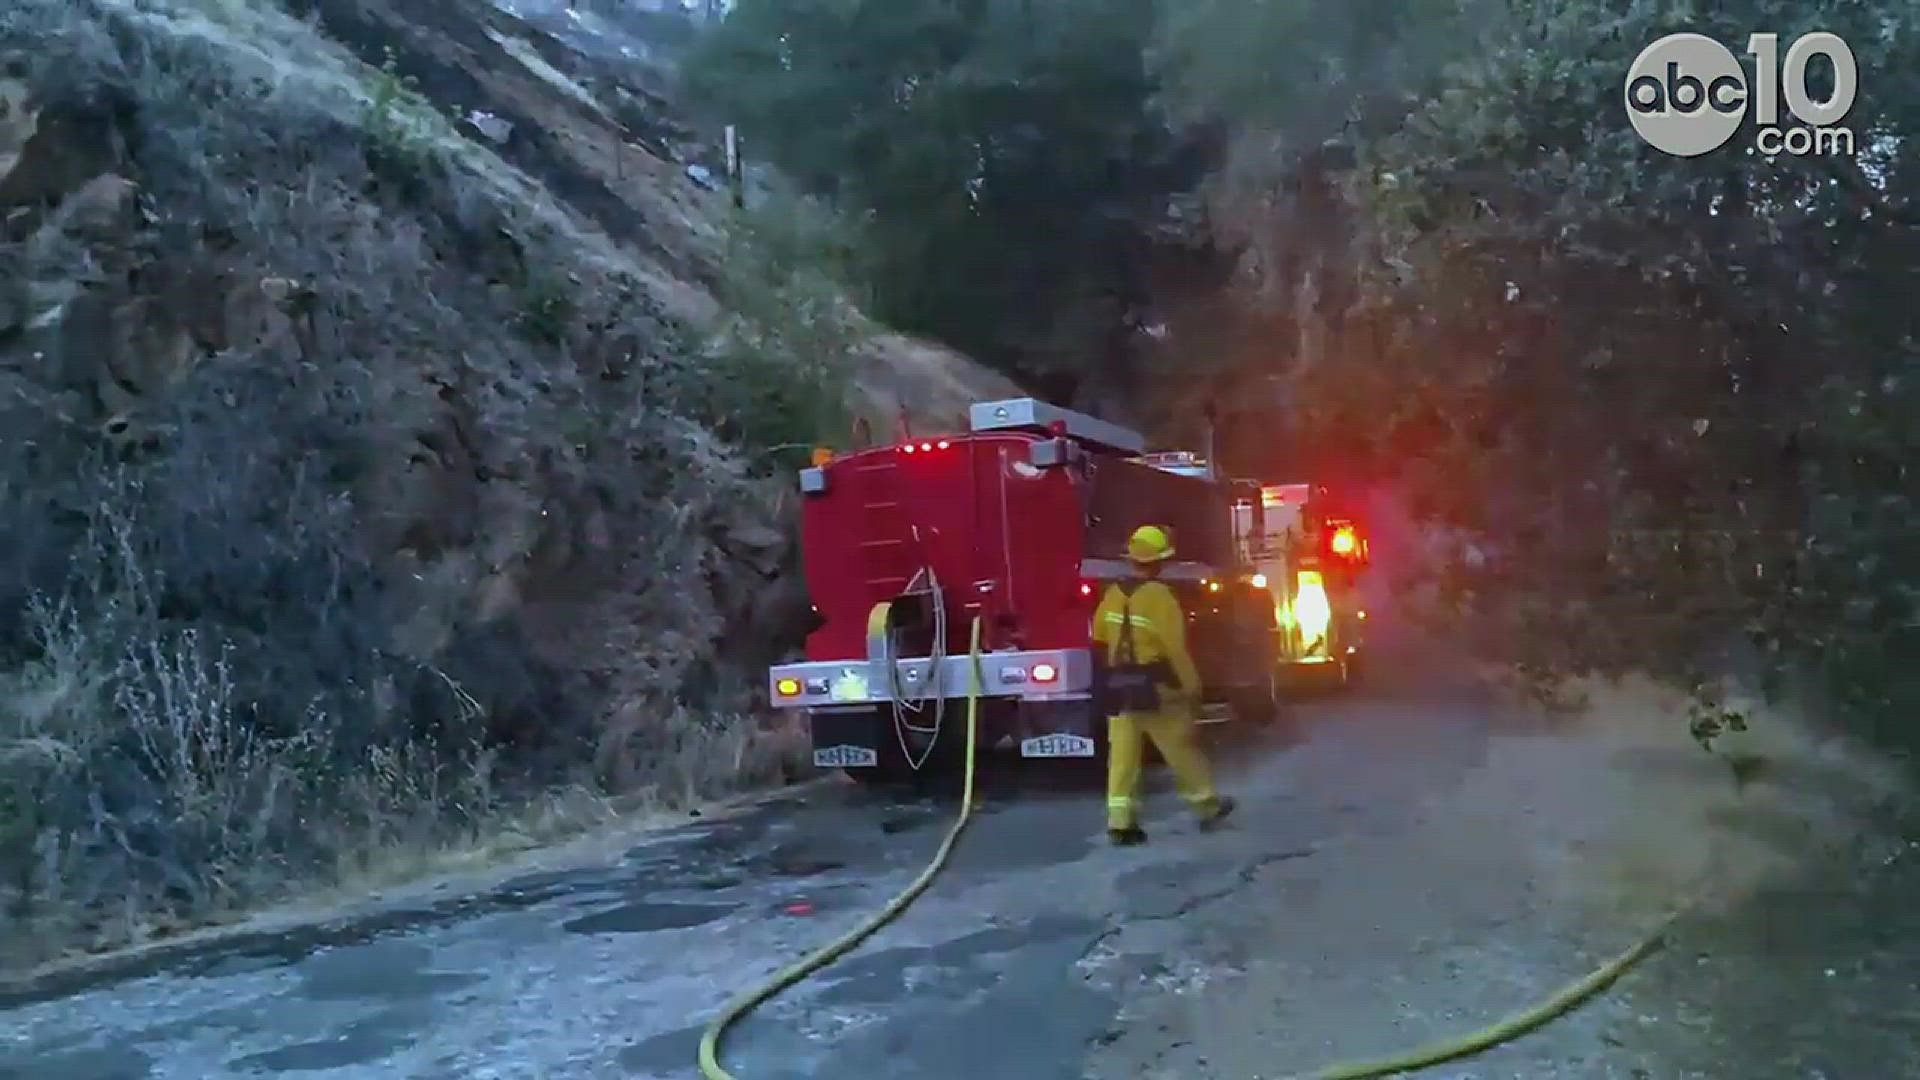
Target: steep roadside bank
x=373, y=468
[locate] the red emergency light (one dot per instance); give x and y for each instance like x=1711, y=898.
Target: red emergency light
x=1343, y=541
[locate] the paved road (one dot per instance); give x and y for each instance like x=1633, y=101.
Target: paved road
x=1006, y=969
x=1330, y=921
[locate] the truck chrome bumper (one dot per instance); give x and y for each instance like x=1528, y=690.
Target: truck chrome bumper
x=1031, y=675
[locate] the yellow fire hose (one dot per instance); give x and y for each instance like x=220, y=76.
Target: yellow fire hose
x=1520, y=1023
x=1504, y=1031
x=753, y=999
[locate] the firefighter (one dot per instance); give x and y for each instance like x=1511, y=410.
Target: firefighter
x=1150, y=689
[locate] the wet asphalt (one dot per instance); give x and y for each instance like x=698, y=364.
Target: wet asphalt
x=1004, y=969
x=1328, y=921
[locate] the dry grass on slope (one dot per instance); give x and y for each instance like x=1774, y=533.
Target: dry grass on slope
x=933, y=385
x=359, y=490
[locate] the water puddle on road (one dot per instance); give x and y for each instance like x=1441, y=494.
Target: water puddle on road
x=383, y=969
x=362, y=1043
x=798, y=864
x=645, y=917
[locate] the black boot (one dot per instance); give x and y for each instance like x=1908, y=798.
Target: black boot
x=1127, y=837
x=1221, y=808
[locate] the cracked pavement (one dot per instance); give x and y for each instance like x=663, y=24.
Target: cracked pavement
x=1363, y=900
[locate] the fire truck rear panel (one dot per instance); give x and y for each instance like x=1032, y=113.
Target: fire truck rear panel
x=1022, y=545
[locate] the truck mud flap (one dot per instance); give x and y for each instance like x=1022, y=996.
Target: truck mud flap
x=849, y=739
x=1059, y=745
x=1059, y=730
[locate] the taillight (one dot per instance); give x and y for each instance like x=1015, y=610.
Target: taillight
x=787, y=687
x=1015, y=675
x=1344, y=542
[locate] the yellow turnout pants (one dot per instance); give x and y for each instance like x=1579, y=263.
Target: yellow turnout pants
x=1171, y=731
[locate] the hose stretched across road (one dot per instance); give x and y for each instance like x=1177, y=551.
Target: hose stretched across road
x=753, y=999
x=1507, y=1030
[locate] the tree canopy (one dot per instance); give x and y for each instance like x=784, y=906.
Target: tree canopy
x=997, y=158
x=1678, y=392
x=1674, y=396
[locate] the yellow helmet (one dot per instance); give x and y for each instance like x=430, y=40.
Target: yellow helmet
x=1149, y=544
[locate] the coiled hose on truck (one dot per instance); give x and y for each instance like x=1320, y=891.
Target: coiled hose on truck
x=1504, y=1031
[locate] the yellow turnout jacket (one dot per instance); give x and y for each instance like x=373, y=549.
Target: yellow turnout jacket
x=1159, y=633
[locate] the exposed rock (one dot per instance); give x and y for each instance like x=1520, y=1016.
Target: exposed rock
x=19, y=120
x=16, y=302
x=781, y=610
x=492, y=127
x=102, y=209
x=756, y=537
x=58, y=146
x=255, y=317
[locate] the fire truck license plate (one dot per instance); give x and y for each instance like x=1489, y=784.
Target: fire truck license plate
x=845, y=757
x=1057, y=746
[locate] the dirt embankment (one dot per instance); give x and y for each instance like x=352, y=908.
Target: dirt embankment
x=366, y=460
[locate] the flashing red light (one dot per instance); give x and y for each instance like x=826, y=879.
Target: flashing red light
x=907, y=449
x=1045, y=673
x=942, y=444
x=926, y=446
x=1086, y=588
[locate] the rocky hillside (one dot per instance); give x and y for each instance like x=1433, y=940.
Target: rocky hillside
x=392, y=423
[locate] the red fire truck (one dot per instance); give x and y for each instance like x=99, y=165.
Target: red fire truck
x=1313, y=553
x=1020, y=522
